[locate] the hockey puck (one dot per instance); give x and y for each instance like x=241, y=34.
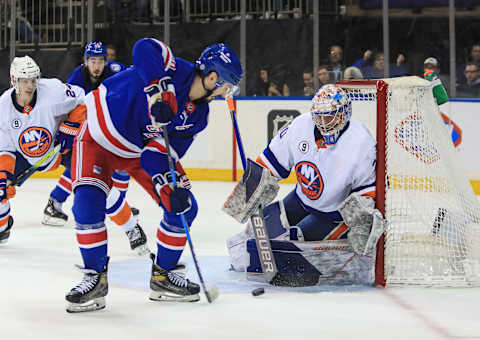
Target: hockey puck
x=258, y=291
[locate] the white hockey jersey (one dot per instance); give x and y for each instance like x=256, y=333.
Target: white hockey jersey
x=325, y=176
x=32, y=134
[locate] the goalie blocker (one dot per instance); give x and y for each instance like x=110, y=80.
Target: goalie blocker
x=307, y=263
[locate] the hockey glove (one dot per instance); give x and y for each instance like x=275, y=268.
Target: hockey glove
x=162, y=102
x=6, y=192
x=66, y=134
x=176, y=200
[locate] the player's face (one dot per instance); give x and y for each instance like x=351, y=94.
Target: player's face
x=95, y=66
x=328, y=123
x=27, y=86
x=111, y=54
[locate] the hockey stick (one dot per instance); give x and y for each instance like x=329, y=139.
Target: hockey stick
x=211, y=294
x=21, y=178
x=264, y=247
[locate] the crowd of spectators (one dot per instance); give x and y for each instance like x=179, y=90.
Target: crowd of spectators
x=371, y=66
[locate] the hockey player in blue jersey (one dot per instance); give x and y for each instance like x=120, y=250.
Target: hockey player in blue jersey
x=88, y=76
x=125, y=118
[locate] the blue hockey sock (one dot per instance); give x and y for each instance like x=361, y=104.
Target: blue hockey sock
x=171, y=241
x=63, y=188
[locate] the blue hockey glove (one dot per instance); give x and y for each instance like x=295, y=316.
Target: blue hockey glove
x=162, y=101
x=66, y=135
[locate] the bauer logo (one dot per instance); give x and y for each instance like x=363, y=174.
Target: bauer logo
x=35, y=141
x=309, y=179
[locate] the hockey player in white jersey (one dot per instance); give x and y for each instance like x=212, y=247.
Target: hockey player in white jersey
x=36, y=114
x=321, y=232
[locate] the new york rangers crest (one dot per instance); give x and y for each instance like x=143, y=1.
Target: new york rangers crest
x=309, y=179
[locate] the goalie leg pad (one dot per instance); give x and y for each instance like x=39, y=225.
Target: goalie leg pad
x=314, y=263
x=256, y=188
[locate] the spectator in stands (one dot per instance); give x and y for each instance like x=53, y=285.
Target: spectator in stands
x=375, y=71
x=351, y=73
x=471, y=89
x=335, y=58
x=111, y=52
x=474, y=58
x=365, y=61
x=325, y=75
x=308, y=90
x=262, y=83
x=399, y=69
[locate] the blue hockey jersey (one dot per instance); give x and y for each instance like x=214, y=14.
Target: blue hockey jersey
x=80, y=76
x=118, y=114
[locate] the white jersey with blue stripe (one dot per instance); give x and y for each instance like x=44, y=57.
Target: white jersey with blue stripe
x=325, y=176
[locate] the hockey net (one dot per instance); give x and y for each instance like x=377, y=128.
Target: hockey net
x=432, y=235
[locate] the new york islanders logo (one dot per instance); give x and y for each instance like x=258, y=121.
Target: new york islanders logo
x=309, y=179
x=35, y=141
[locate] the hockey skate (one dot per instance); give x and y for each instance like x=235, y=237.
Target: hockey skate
x=88, y=295
x=4, y=235
x=169, y=285
x=138, y=241
x=53, y=216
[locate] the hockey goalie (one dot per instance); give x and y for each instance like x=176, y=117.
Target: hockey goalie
x=325, y=231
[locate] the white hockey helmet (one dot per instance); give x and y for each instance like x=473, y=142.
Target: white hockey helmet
x=331, y=111
x=23, y=67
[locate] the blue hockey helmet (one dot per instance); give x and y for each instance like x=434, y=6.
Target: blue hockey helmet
x=221, y=59
x=95, y=49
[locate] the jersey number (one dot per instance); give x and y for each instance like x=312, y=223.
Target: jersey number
x=70, y=92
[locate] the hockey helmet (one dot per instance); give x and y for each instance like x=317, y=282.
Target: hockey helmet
x=23, y=67
x=221, y=59
x=95, y=49
x=331, y=111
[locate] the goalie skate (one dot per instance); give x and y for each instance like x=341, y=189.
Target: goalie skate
x=88, y=295
x=53, y=216
x=4, y=235
x=138, y=241
x=169, y=285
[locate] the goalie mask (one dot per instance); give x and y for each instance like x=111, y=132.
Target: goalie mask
x=23, y=68
x=331, y=111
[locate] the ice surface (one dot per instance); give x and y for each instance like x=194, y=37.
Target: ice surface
x=36, y=270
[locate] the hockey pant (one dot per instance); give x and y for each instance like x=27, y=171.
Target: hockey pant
x=117, y=207
x=92, y=169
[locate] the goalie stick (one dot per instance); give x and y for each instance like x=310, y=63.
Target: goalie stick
x=264, y=247
x=21, y=178
x=211, y=294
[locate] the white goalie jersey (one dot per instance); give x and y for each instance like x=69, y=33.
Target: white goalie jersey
x=325, y=176
x=32, y=133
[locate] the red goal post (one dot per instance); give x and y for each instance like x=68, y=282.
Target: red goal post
x=432, y=235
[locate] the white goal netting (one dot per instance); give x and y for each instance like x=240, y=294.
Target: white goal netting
x=432, y=233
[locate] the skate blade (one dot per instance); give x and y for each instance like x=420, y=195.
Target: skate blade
x=5, y=240
x=142, y=250
x=53, y=221
x=212, y=294
x=165, y=296
x=89, y=306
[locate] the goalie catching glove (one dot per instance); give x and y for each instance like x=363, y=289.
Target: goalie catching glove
x=176, y=200
x=256, y=188
x=162, y=102
x=365, y=223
